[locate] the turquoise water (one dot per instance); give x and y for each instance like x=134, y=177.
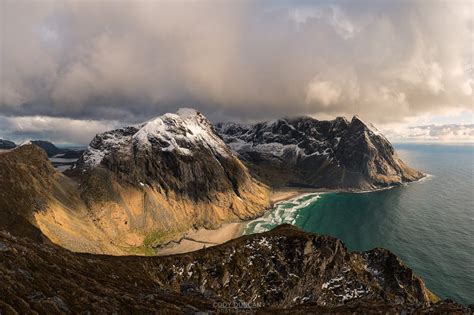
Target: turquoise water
x=428, y=224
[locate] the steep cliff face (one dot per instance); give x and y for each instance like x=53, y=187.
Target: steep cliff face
x=324, y=154
x=133, y=187
x=281, y=271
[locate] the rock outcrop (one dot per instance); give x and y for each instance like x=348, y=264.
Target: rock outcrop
x=307, y=152
x=281, y=271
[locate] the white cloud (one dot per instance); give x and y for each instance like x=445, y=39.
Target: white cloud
x=325, y=92
x=341, y=23
x=59, y=130
x=301, y=15
x=434, y=133
x=467, y=86
x=434, y=78
x=330, y=14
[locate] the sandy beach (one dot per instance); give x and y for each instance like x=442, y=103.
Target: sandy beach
x=197, y=239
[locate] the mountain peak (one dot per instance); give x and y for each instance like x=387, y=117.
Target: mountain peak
x=357, y=118
x=180, y=132
x=184, y=133
x=358, y=121
x=186, y=112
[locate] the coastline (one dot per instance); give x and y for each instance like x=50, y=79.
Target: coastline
x=281, y=195
x=197, y=239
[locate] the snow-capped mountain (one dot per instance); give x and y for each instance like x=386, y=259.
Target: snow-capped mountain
x=180, y=152
x=181, y=133
x=308, y=152
x=168, y=174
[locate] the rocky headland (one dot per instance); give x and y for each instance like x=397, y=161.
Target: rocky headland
x=306, y=152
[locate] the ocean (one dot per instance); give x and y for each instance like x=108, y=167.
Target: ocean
x=428, y=224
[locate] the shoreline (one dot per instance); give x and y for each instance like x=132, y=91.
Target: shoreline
x=197, y=239
x=194, y=240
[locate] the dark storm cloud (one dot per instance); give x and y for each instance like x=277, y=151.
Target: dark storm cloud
x=242, y=60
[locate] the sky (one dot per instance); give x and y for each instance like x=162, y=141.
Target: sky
x=71, y=69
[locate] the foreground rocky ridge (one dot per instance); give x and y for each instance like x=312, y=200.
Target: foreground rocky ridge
x=132, y=189
x=284, y=270
x=337, y=154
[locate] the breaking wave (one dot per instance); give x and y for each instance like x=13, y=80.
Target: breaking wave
x=283, y=212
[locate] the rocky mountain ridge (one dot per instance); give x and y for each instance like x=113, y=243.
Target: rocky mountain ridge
x=306, y=152
x=282, y=271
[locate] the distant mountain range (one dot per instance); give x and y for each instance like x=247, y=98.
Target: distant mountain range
x=298, y=152
x=50, y=149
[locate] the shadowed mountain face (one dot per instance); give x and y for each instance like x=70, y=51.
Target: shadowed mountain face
x=284, y=270
x=324, y=154
x=132, y=189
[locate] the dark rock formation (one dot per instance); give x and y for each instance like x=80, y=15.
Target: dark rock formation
x=322, y=154
x=6, y=145
x=281, y=271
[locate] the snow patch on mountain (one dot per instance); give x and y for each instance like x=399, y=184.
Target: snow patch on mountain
x=180, y=133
